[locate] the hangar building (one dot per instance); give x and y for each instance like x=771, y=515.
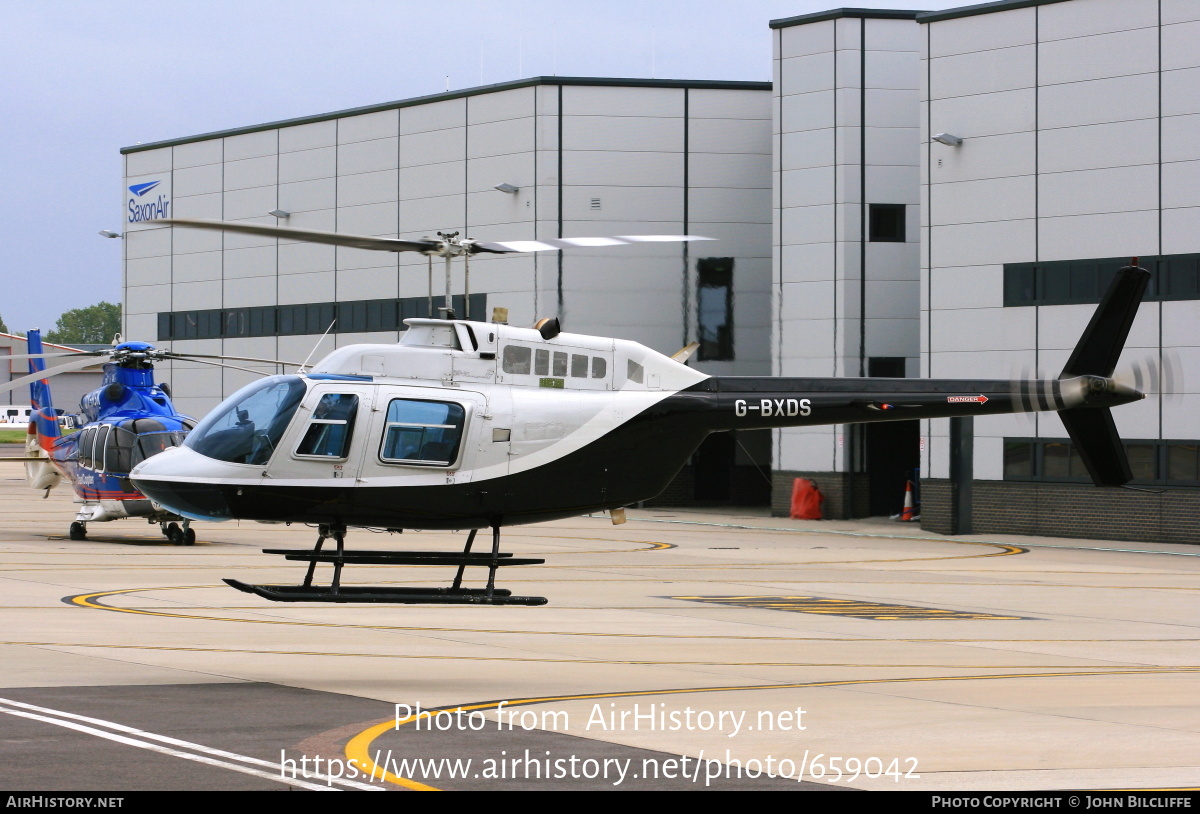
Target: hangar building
x=587, y=157
x=985, y=258
x=66, y=388
x=852, y=243
x=1080, y=123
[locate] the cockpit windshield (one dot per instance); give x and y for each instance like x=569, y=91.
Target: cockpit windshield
x=246, y=427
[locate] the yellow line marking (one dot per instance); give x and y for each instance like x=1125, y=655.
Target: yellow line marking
x=856, y=608
x=529, y=660
x=357, y=751
x=91, y=601
x=358, y=748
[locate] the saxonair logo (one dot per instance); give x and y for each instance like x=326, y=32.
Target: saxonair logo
x=142, y=207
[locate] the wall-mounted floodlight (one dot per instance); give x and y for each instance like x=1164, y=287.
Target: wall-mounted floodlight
x=509, y=189
x=106, y=233
x=279, y=213
x=948, y=139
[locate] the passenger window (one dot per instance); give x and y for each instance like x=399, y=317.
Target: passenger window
x=99, y=441
x=422, y=432
x=86, y=438
x=635, y=373
x=332, y=425
x=579, y=366
x=517, y=359
x=119, y=446
x=599, y=367
x=560, y=364
x=541, y=362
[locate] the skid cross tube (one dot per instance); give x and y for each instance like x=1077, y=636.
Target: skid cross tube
x=341, y=557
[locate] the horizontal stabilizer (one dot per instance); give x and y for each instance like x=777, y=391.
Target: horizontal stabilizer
x=1094, y=435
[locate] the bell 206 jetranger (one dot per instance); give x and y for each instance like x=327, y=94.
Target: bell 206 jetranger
x=468, y=425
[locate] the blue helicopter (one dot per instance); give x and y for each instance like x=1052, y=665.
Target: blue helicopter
x=128, y=419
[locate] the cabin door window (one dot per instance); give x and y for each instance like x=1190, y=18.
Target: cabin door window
x=422, y=432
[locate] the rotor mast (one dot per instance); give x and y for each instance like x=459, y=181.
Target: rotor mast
x=450, y=247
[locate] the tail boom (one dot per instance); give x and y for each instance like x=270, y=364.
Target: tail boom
x=752, y=403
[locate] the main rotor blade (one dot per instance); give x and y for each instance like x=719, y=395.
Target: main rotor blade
x=51, y=355
x=237, y=367
x=170, y=354
x=66, y=367
x=554, y=244
x=384, y=244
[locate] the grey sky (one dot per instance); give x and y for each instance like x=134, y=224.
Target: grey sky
x=83, y=79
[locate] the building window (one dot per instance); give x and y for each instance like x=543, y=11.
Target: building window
x=361, y=316
x=352, y=316
x=237, y=322
x=886, y=367
x=1161, y=463
x=714, y=308
x=1183, y=462
x=887, y=223
x=1073, y=282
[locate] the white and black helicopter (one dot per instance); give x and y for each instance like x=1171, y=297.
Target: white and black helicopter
x=470, y=424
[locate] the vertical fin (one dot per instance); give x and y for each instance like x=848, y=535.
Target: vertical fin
x=1102, y=341
x=1093, y=431
x=44, y=419
x=1094, y=435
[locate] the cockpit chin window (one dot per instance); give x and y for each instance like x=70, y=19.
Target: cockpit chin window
x=246, y=427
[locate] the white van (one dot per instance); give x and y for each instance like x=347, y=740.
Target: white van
x=15, y=415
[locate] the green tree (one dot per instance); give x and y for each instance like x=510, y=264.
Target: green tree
x=95, y=324
x=3, y=327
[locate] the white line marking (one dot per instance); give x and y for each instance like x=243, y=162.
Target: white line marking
x=150, y=736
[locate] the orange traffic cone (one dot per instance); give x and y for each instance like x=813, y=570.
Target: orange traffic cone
x=909, y=512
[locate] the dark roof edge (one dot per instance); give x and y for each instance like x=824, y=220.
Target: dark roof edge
x=698, y=84
x=856, y=13
x=982, y=8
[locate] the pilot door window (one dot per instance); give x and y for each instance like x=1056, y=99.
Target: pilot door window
x=332, y=425
x=422, y=433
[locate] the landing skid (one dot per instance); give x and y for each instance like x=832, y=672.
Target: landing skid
x=336, y=592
